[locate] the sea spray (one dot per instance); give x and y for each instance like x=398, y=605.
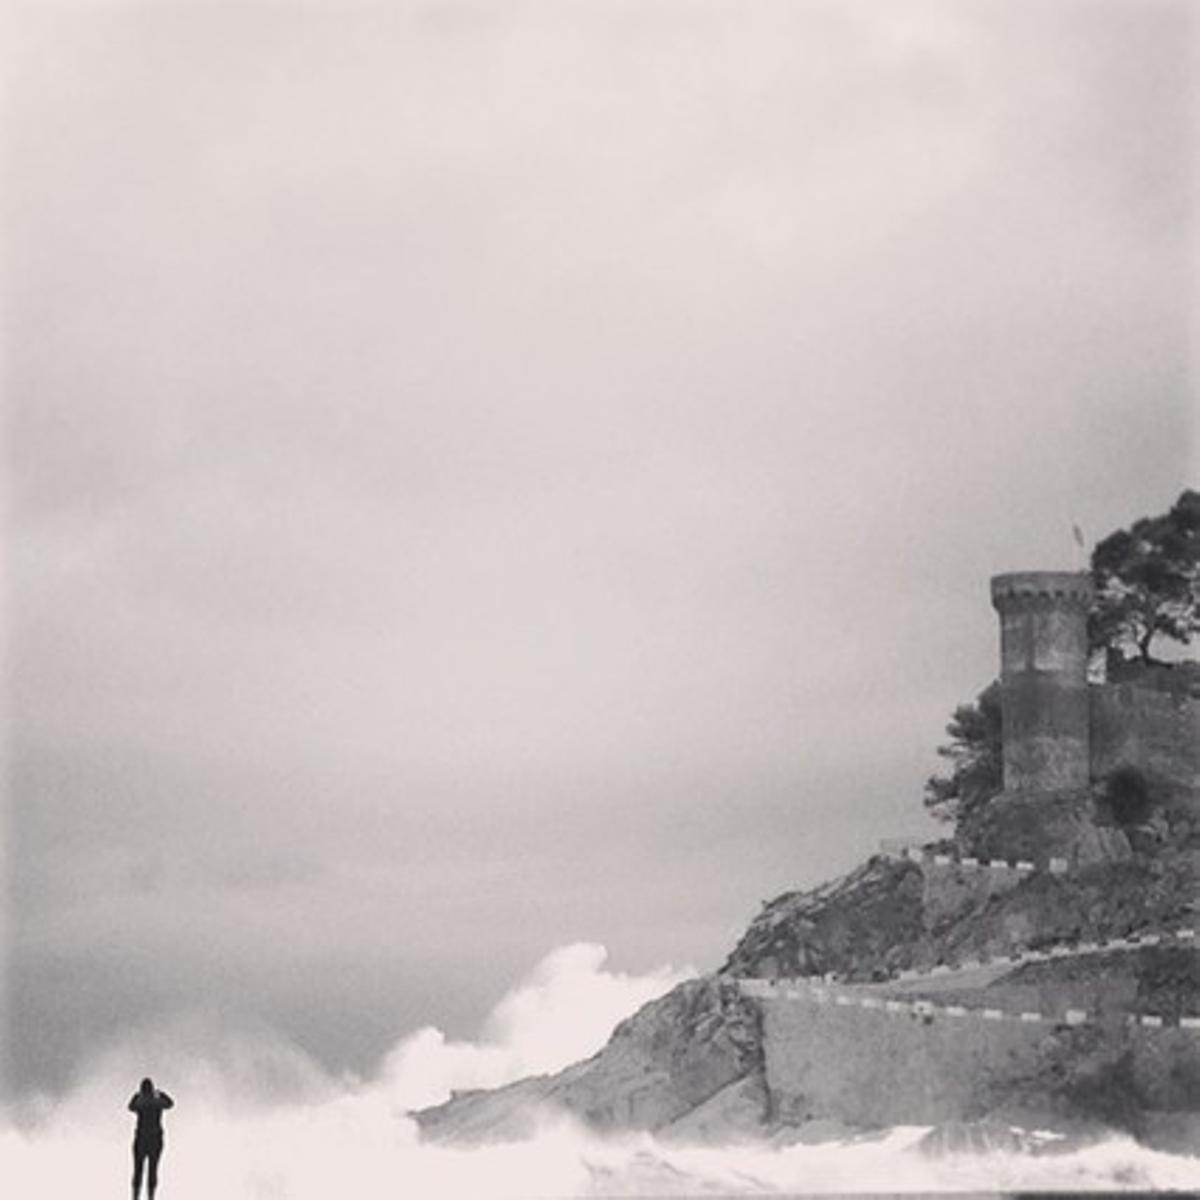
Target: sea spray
x=354, y=1143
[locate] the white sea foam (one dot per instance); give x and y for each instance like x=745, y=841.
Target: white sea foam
x=258, y=1120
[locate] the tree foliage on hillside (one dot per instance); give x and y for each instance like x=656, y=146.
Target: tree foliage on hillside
x=1147, y=581
x=974, y=752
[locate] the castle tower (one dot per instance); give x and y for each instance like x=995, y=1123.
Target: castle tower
x=1043, y=678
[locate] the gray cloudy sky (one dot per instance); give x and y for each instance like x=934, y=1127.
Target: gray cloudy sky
x=489, y=475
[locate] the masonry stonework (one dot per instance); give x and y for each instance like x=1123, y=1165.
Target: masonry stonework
x=873, y=1069
x=1155, y=730
x=1043, y=679
x=1062, y=733
x=878, y=1068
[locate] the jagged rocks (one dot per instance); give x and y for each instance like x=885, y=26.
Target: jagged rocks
x=864, y=925
x=1066, y=825
x=889, y=915
x=693, y=1055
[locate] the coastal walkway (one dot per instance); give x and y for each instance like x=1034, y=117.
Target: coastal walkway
x=921, y=992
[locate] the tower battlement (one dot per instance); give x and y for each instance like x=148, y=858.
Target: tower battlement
x=1045, y=589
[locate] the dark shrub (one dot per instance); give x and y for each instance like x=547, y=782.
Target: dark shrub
x=1128, y=797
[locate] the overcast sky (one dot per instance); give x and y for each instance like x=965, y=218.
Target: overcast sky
x=484, y=476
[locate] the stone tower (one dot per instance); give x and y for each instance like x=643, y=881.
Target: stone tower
x=1043, y=679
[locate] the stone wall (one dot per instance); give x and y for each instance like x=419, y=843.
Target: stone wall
x=1155, y=730
x=1043, y=677
x=878, y=1067
x=869, y=1068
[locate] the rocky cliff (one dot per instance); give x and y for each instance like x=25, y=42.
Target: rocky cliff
x=691, y=1061
x=890, y=915
x=719, y=1058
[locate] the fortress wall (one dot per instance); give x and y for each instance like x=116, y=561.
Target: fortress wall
x=866, y=1067
x=1155, y=731
x=871, y=1067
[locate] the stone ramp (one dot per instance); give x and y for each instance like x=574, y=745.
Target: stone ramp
x=952, y=980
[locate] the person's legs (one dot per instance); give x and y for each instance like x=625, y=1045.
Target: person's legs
x=139, y=1159
x=152, y=1179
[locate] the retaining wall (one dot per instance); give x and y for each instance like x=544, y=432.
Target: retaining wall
x=1156, y=731
x=881, y=1068
x=865, y=1060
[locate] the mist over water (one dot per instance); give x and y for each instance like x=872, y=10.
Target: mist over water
x=354, y=1145
x=258, y=1119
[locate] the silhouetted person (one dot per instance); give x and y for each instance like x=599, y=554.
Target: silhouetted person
x=148, y=1137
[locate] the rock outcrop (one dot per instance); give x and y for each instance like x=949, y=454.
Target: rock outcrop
x=859, y=927
x=690, y=1062
x=707, y=1061
x=894, y=914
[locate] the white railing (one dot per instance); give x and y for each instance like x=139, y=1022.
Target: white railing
x=891, y=848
